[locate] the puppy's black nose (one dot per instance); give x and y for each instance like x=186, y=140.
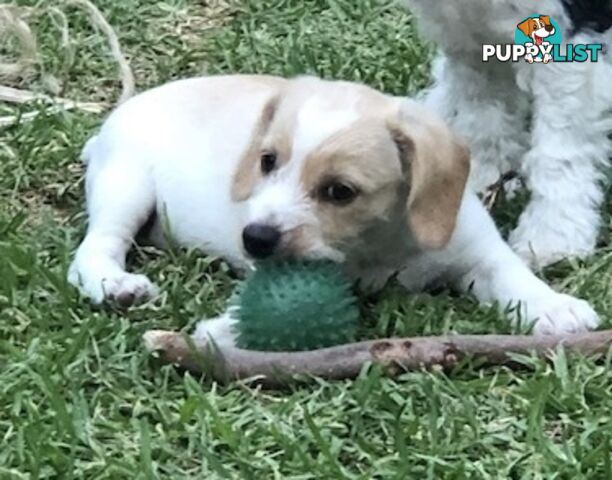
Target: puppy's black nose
x=549, y=28
x=260, y=240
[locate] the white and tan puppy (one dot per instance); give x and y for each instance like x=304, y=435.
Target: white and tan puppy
x=247, y=167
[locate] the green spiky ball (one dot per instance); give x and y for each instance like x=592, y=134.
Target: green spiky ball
x=289, y=306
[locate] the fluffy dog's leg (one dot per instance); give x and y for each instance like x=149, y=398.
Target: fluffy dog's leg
x=120, y=198
x=479, y=261
x=485, y=106
x=564, y=169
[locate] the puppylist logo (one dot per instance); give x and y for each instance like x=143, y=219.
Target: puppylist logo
x=538, y=40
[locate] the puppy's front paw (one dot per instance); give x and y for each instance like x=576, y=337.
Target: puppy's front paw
x=561, y=314
x=123, y=288
x=128, y=289
x=218, y=331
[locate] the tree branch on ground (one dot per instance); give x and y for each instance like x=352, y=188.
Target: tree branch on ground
x=346, y=361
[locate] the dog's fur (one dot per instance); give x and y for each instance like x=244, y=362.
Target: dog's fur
x=367, y=180
x=552, y=123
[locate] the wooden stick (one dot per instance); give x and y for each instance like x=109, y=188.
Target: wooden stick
x=16, y=95
x=28, y=116
x=346, y=361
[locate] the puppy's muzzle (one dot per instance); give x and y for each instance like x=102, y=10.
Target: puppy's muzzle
x=260, y=241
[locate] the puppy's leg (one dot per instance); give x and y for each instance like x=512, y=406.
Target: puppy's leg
x=529, y=57
x=547, y=56
x=564, y=169
x=217, y=331
x=478, y=260
x=120, y=198
x=485, y=106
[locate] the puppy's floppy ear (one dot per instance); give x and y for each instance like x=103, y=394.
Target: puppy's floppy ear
x=436, y=164
x=247, y=171
x=525, y=26
x=545, y=19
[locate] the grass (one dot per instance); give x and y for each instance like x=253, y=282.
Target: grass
x=79, y=398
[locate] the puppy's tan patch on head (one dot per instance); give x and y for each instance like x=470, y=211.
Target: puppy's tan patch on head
x=249, y=169
x=545, y=20
x=437, y=164
x=353, y=179
x=359, y=155
x=530, y=25
x=527, y=26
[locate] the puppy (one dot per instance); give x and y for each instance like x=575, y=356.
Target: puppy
x=252, y=167
x=551, y=123
x=538, y=29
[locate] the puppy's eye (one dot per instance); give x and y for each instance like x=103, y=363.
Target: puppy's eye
x=338, y=193
x=268, y=162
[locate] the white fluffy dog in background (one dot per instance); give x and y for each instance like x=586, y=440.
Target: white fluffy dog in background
x=549, y=122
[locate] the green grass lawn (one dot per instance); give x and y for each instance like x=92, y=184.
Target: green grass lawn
x=80, y=398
